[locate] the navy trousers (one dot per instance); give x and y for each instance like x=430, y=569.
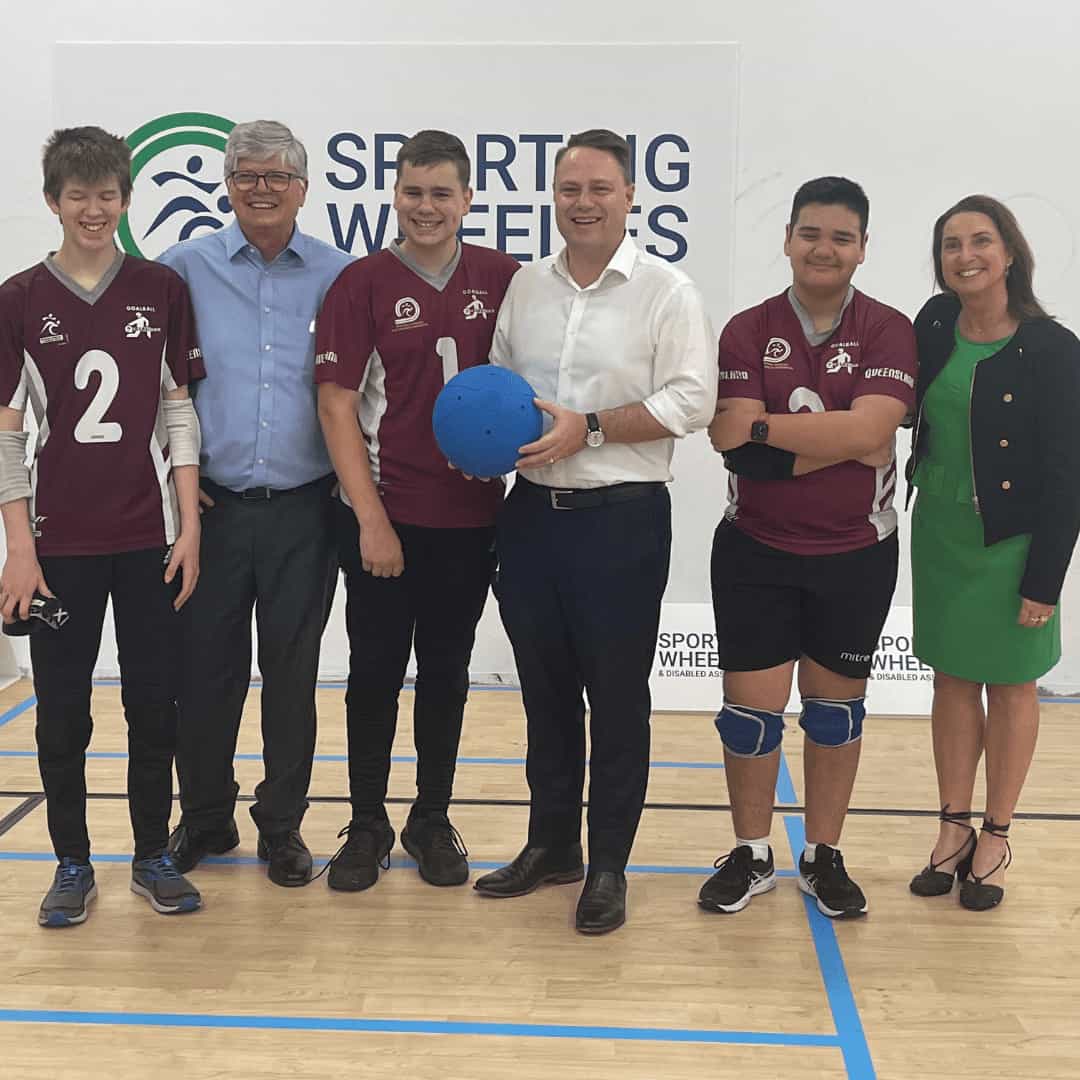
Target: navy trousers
x=579, y=592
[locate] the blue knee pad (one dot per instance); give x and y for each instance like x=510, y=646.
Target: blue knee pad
x=749, y=732
x=832, y=723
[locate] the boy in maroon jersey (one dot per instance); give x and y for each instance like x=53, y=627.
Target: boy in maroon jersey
x=813, y=384
x=102, y=347
x=416, y=539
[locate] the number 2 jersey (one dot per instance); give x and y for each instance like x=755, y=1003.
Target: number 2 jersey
x=398, y=336
x=765, y=355
x=93, y=367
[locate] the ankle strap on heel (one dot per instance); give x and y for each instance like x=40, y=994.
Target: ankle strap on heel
x=958, y=817
x=994, y=828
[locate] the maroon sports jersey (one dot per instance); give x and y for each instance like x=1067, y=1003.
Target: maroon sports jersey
x=764, y=355
x=386, y=331
x=93, y=367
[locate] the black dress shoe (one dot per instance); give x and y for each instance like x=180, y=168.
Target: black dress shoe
x=187, y=845
x=288, y=856
x=602, y=907
x=534, y=866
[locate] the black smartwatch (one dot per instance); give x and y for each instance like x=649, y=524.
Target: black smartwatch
x=594, y=434
x=759, y=431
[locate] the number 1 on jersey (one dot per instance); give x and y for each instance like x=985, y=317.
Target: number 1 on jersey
x=446, y=347
x=91, y=428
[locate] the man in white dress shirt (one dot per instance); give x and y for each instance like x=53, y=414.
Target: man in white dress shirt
x=619, y=350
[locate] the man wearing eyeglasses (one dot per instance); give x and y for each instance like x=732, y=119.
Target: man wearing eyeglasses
x=265, y=491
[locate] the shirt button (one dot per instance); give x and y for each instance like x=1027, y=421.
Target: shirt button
x=1005, y=485
x=262, y=461
x=1003, y=443
x=267, y=310
x=266, y=348
x=266, y=386
x=1006, y=397
x=263, y=424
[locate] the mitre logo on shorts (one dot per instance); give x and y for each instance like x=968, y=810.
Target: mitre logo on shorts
x=476, y=308
x=776, y=353
x=178, y=182
x=51, y=331
x=140, y=325
x=406, y=312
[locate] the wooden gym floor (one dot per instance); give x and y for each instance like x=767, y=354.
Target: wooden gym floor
x=414, y=982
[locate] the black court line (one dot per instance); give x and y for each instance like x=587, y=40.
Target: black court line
x=36, y=798
x=27, y=806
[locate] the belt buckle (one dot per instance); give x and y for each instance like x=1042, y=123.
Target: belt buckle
x=256, y=493
x=555, y=493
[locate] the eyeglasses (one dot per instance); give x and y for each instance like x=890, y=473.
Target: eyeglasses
x=275, y=180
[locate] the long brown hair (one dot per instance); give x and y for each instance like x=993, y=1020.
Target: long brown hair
x=1022, y=301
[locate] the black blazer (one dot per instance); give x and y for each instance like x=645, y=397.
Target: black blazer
x=1025, y=437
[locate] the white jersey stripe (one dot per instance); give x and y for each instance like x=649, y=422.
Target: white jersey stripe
x=882, y=516
x=371, y=408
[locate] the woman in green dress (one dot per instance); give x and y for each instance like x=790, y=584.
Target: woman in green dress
x=997, y=465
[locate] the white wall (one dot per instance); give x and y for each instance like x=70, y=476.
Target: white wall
x=921, y=102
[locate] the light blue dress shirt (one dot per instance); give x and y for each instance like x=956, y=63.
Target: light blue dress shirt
x=256, y=323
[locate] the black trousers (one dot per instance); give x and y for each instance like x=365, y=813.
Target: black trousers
x=274, y=555
x=580, y=592
x=147, y=638
x=435, y=605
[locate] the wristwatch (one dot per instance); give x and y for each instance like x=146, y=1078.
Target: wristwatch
x=759, y=431
x=594, y=436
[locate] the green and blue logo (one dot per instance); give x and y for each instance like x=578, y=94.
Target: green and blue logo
x=178, y=181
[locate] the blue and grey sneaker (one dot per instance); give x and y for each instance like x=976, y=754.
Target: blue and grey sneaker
x=72, y=889
x=168, y=891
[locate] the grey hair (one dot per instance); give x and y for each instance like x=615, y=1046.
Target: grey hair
x=261, y=140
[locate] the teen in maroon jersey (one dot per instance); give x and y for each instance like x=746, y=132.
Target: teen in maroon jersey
x=102, y=347
x=416, y=539
x=813, y=384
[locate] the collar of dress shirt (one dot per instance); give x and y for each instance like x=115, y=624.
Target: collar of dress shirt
x=236, y=241
x=622, y=263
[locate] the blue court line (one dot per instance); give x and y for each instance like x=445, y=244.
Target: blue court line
x=845, y=1012
x=397, y=862
x=412, y=1027
x=18, y=710
x=785, y=787
x=403, y=758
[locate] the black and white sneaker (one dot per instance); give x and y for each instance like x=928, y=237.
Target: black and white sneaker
x=739, y=876
x=827, y=881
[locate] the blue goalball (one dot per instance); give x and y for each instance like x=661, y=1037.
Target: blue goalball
x=481, y=417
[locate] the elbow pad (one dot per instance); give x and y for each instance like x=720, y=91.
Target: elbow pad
x=185, y=436
x=14, y=475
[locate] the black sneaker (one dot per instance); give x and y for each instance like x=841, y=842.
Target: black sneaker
x=367, y=847
x=437, y=847
x=739, y=876
x=827, y=881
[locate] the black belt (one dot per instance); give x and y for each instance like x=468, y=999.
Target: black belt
x=260, y=494
x=588, y=498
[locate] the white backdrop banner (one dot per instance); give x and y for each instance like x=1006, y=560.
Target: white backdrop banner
x=686, y=674
x=512, y=104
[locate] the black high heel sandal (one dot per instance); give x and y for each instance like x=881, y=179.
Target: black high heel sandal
x=930, y=881
x=976, y=896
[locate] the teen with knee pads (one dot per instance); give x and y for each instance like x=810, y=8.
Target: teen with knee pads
x=813, y=384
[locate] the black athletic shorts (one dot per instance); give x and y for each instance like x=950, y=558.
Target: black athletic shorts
x=772, y=606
